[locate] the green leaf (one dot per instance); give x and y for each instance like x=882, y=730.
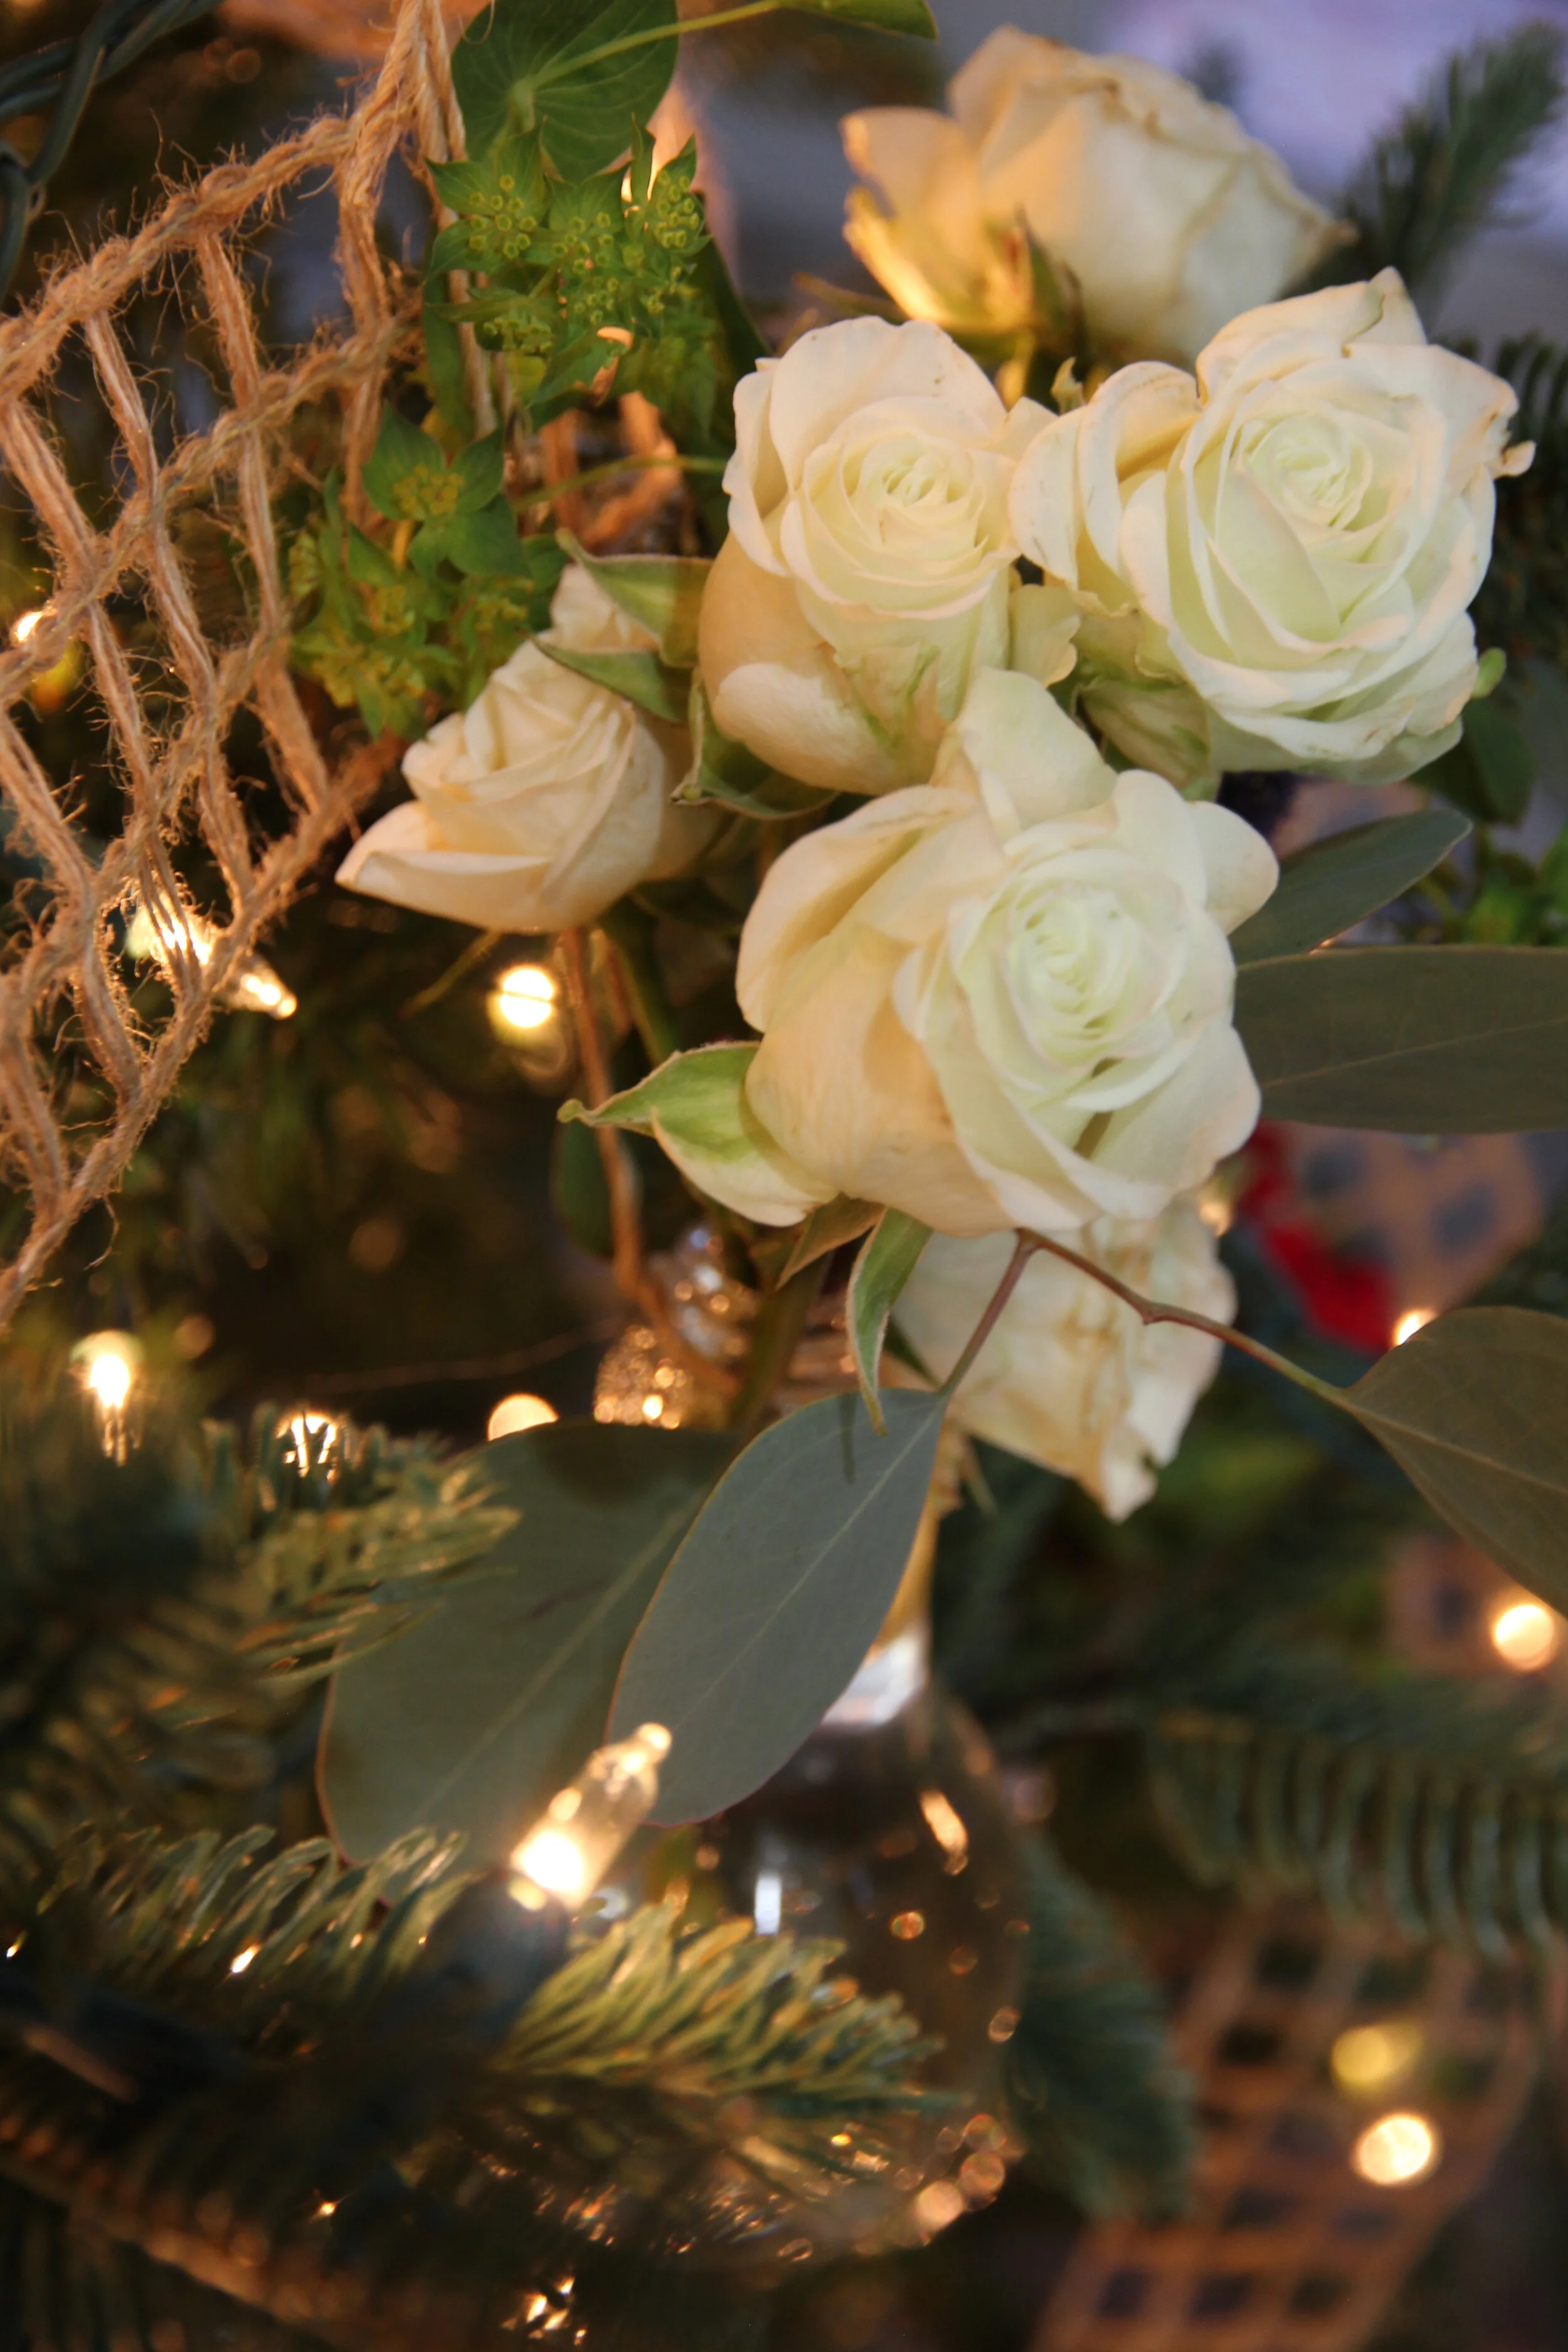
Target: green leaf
x=1332, y=884
x=444, y=369
x=406, y=474
x=1474, y=1409
x=1418, y=1041
x=1491, y=772
x=486, y=545
x=776, y=1596
x=523, y=67
x=696, y=1108
x=473, y=1721
x=1091, y=2083
x=827, y=1229
x=881, y=16
x=641, y=677
x=481, y=469
x=723, y=769
x=662, y=592
x=881, y=1270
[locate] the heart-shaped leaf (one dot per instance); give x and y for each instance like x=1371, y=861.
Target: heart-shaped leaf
x=474, y=1720
x=523, y=65
x=1418, y=1041
x=1474, y=1409
x=776, y=1596
x=1332, y=884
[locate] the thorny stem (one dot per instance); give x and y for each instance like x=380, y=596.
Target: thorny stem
x=625, y=1225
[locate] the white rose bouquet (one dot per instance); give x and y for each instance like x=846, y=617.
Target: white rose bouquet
x=871, y=725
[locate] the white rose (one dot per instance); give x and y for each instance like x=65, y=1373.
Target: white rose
x=538, y=807
x=1070, y=1376
x=1283, y=552
x=1004, y=998
x=869, y=566
x=1170, y=218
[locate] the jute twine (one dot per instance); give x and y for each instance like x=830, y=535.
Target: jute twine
x=82, y=1075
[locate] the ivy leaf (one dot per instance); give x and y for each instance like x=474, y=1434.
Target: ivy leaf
x=772, y=1602
x=1417, y=1041
x=522, y=67
x=881, y=1270
x=695, y=1107
x=723, y=769
x=641, y=677
x=663, y=593
x=1474, y=1409
x=1332, y=884
x=477, y=1719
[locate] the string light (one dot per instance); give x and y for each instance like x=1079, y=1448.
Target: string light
x=310, y=1440
x=170, y=936
x=1525, y=1635
x=516, y=1413
x=108, y=1366
x=584, y=1828
x=1368, y=2058
x=1396, y=2152
x=1414, y=1319
x=24, y=624
x=523, y=999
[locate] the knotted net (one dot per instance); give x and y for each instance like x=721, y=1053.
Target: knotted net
x=83, y=1071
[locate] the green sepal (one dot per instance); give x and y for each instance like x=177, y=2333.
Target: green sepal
x=696, y=1108
x=663, y=593
x=723, y=769
x=884, y=1265
x=641, y=677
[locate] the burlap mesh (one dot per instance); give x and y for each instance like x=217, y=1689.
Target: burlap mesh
x=82, y=1074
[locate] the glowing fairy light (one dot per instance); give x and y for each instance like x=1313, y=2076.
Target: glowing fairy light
x=172, y=936
x=310, y=1440
x=1526, y=1634
x=524, y=999
x=108, y=1366
x=26, y=625
x=1397, y=2150
x=585, y=1826
x=1368, y=2058
x=1414, y=1319
x=516, y=1413
x=242, y=1960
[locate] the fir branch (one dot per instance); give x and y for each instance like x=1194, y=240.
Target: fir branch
x=1444, y=171
x=1441, y=1810
x=1091, y=2083
x=1523, y=606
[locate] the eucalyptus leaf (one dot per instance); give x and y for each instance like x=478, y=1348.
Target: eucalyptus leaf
x=1417, y=1041
x=1332, y=884
x=523, y=66
x=641, y=677
x=475, y=1719
x=663, y=592
x=881, y=1270
x=1474, y=1409
x=774, y=1598
x=882, y=16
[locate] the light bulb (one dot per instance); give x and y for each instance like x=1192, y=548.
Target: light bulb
x=108, y=1366
x=1526, y=1634
x=1396, y=2152
x=311, y=1441
x=24, y=624
x=584, y=1828
x=515, y=1414
x=523, y=999
x=1414, y=1319
x=1367, y=2059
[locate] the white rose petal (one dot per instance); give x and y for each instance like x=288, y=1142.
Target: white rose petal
x=1070, y=1376
x=1275, y=560
x=1169, y=216
x=1004, y=997
x=868, y=571
x=541, y=803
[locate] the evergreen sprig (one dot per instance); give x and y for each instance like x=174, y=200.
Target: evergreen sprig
x=1443, y=172
x=1408, y=1799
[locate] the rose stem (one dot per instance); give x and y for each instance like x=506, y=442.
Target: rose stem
x=1024, y=1251
x=776, y=1335
x=619, y=1174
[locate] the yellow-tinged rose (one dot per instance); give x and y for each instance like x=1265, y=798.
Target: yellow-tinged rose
x=1070, y=1378
x=1004, y=997
x=544, y=801
x=1275, y=559
x=1169, y=216
x=867, y=573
